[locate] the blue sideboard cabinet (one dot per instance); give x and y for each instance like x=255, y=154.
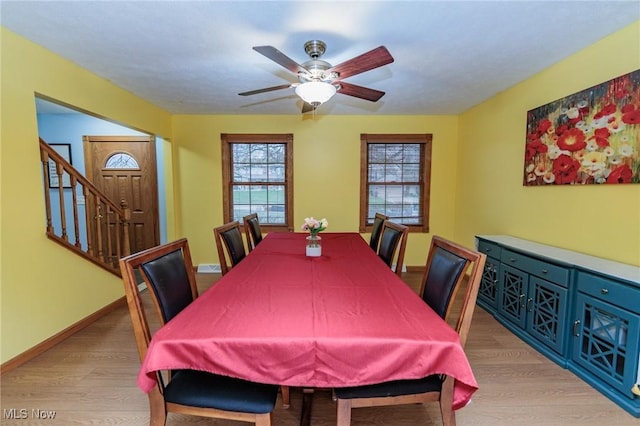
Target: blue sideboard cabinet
x=580, y=311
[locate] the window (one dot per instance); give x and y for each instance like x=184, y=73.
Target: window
x=121, y=160
x=257, y=174
x=395, y=175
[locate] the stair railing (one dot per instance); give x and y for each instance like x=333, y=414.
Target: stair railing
x=81, y=217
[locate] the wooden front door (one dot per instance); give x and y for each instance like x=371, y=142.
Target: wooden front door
x=124, y=168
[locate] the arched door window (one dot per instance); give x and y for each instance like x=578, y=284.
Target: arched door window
x=121, y=160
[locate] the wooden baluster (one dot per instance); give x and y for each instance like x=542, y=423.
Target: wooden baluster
x=88, y=201
x=98, y=221
x=76, y=221
x=126, y=249
x=109, y=257
x=47, y=189
x=63, y=216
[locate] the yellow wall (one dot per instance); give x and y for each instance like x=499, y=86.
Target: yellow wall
x=598, y=220
x=46, y=289
x=476, y=186
x=326, y=171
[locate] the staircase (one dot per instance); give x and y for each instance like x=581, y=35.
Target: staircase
x=80, y=217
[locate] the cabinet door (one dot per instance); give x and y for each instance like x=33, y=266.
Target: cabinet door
x=606, y=342
x=488, y=292
x=512, y=294
x=546, y=312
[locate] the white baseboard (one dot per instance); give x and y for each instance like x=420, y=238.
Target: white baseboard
x=209, y=268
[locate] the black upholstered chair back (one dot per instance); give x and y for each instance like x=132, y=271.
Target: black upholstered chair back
x=169, y=281
x=393, y=238
x=235, y=245
x=441, y=279
x=388, y=243
x=378, y=220
x=229, y=238
x=252, y=230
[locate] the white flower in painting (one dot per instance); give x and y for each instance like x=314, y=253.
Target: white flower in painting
x=592, y=145
x=573, y=113
x=625, y=150
x=615, y=160
x=549, y=177
x=530, y=167
x=599, y=123
x=582, y=125
x=539, y=170
x=553, y=152
x=608, y=151
x=615, y=126
x=594, y=163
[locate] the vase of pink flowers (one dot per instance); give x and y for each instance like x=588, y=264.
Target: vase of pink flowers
x=314, y=241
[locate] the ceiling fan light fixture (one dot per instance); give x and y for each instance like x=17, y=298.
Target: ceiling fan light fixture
x=315, y=92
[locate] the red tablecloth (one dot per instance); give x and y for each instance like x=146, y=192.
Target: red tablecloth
x=342, y=319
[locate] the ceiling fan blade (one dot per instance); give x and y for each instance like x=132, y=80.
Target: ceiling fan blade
x=307, y=107
x=359, y=91
x=280, y=58
x=266, y=89
x=367, y=61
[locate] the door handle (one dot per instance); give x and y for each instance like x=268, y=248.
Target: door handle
x=576, y=324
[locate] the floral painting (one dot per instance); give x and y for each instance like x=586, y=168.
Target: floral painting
x=591, y=137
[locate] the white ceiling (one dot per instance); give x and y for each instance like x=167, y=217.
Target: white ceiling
x=194, y=57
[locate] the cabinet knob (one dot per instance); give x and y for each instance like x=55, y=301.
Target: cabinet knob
x=604, y=291
x=512, y=260
x=544, y=271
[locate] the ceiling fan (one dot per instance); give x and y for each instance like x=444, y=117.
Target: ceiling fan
x=319, y=80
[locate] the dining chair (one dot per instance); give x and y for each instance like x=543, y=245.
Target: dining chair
x=448, y=266
x=378, y=220
x=393, y=236
x=252, y=230
x=168, y=273
x=229, y=239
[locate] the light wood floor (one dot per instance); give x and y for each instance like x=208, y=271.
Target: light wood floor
x=89, y=379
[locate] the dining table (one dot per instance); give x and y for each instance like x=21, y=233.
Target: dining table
x=337, y=320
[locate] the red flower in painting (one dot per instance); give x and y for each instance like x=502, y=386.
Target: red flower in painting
x=572, y=140
x=544, y=125
x=630, y=114
x=565, y=169
x=601, y=136
x=533, y=148
x=621, y=174
x=606, y=110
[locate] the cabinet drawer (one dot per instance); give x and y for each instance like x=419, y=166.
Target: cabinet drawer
x=550, y=272
x=490, y=249
x=613, y=292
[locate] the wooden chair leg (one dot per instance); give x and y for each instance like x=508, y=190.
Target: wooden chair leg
x=157, y=408
x=264, y=419
x=343, y=412
x=446, y=402
x=285, y=396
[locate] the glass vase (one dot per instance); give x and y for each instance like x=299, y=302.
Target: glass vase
x=314, y=246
